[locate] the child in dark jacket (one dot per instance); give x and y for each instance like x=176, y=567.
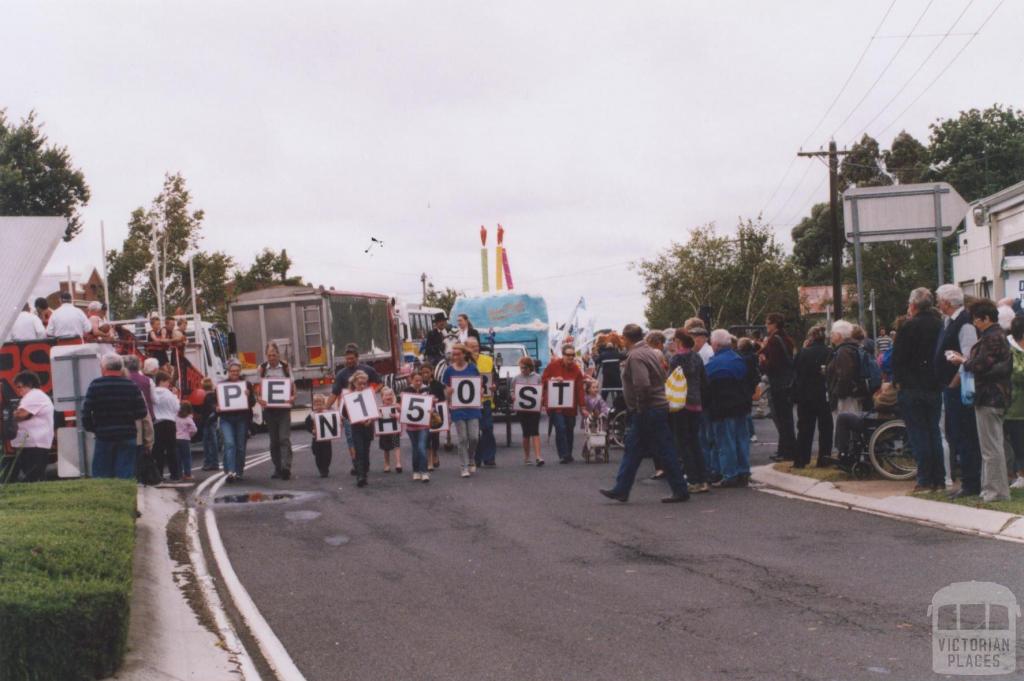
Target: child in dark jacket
x=321, y=448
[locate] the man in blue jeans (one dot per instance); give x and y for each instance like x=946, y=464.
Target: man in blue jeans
x=648, y=431
x=732, y=380
x=112, y=405
x=920, y=396
x=562, y=372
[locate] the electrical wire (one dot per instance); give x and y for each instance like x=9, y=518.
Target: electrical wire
x=885, y=69
x=796, y=188
x=944, y=69
x=920, y=66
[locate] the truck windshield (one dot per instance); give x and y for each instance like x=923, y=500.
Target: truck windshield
x=509, y=356
x=363, y=321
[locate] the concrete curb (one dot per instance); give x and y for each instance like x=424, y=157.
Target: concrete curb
x=995, y=524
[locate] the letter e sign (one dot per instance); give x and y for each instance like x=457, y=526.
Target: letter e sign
x=277, y=392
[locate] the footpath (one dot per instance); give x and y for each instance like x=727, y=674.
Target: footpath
x=891, y=499
x=171, y=634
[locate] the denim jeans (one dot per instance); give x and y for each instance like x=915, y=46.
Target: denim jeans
x=184, y=450
x=236, y=433
x=114, y=458
x=486, y=446
x=211, y=444
x=648, y=432
x=921, y=410
x=564, y=427
x=733, y=441
x=962, y=436
x=418, y=439
x=707, y=443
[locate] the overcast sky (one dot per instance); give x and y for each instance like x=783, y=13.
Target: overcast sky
x=595, y=132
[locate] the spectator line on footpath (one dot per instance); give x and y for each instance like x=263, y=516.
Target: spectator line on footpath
x=270, y=645
x=952, y=517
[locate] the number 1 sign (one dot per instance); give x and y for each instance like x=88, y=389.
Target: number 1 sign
x=361, y=406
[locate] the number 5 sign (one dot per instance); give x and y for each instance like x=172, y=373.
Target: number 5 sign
x=561, y=394
x=361, y=406
x=466, y=392
x=416, y=409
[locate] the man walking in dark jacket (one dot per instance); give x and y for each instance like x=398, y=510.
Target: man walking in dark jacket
x=776, y=359
x=112, y=406
x=920, y=396
x=643, y=383
x=811, y=399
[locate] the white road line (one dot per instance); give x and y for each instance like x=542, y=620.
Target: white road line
x=270, y=645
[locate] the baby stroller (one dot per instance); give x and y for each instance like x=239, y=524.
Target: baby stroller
x=595, y=439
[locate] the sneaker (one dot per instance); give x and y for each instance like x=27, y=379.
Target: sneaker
x=286, y=474
x=187, y=478
x=540, y=462
x=361, y=482
x=699, y=488
x=465, y=473
x=417, y=477
x=726, y=483
x=527, y=463
x=1018, y=483
x=472, y=468
x=753, y=438
x=425, y=477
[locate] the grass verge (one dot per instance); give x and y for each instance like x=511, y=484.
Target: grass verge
x=1015, y=505
x=829, y=474
x=66, y=565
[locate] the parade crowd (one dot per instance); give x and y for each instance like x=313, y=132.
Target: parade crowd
x=687, y=395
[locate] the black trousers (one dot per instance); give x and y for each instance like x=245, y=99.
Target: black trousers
x=809, y=415
x=686, y=431
x=165, y=451
x=30, y=463
x=362, y=437
x=782, y=414
x=322, y=452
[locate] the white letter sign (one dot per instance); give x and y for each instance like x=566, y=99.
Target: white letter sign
x=446, y=418
x=388, y=423
x=327, y=425
x=416, y=409
x=466, y=392
x=560, y=394
x=361, y=406
x=231, y=396
x=527, y=398
x=276, y=392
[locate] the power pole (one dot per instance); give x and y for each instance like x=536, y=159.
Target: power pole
x=837, y=234
x=423, y=283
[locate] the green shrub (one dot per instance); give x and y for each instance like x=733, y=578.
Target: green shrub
x=65, y=578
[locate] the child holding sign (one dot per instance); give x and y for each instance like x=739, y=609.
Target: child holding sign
x=321, y=448
x=362, y=433
x=465, y=420
x=529, y=420
x=418, y=434
x=390, y=442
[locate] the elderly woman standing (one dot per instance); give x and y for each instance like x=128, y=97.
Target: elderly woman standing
x=846, y=387
x=991, y=364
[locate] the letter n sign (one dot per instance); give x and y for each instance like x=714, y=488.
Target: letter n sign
x=231, y=396
x=327, y=425
x=560, y=394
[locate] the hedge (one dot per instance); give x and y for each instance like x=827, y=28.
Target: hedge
x=65, y=578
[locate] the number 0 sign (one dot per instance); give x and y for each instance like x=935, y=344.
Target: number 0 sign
x=361, y=406
x=416, y=409
x=561, y=394
x=466, y=392
x=527, y=398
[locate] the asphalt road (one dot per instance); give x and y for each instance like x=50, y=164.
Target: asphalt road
x=522, y=573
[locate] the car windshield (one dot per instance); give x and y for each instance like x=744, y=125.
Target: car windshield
x=508, y=356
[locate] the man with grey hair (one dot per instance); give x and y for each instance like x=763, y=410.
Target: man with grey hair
x=728, y=400
x=111, y=408
x=643, y=384
x=920, y=391
x=847, y=388
x=959, y=336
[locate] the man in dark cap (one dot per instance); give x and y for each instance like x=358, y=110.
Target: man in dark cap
x=433, y=346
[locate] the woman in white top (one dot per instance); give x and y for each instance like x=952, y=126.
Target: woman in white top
x=165, y=414
x=35, y=431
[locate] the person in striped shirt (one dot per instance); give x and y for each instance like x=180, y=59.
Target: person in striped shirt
x=113, y=403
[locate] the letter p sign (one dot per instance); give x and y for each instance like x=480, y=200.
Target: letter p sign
x=231, y=396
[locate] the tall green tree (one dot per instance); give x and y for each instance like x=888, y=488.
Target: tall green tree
x=150, y=272
x=742, y=278
x=979, y=152
x=907, y=159
x=38, y=178
x=443, y=298
x=270, y=268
